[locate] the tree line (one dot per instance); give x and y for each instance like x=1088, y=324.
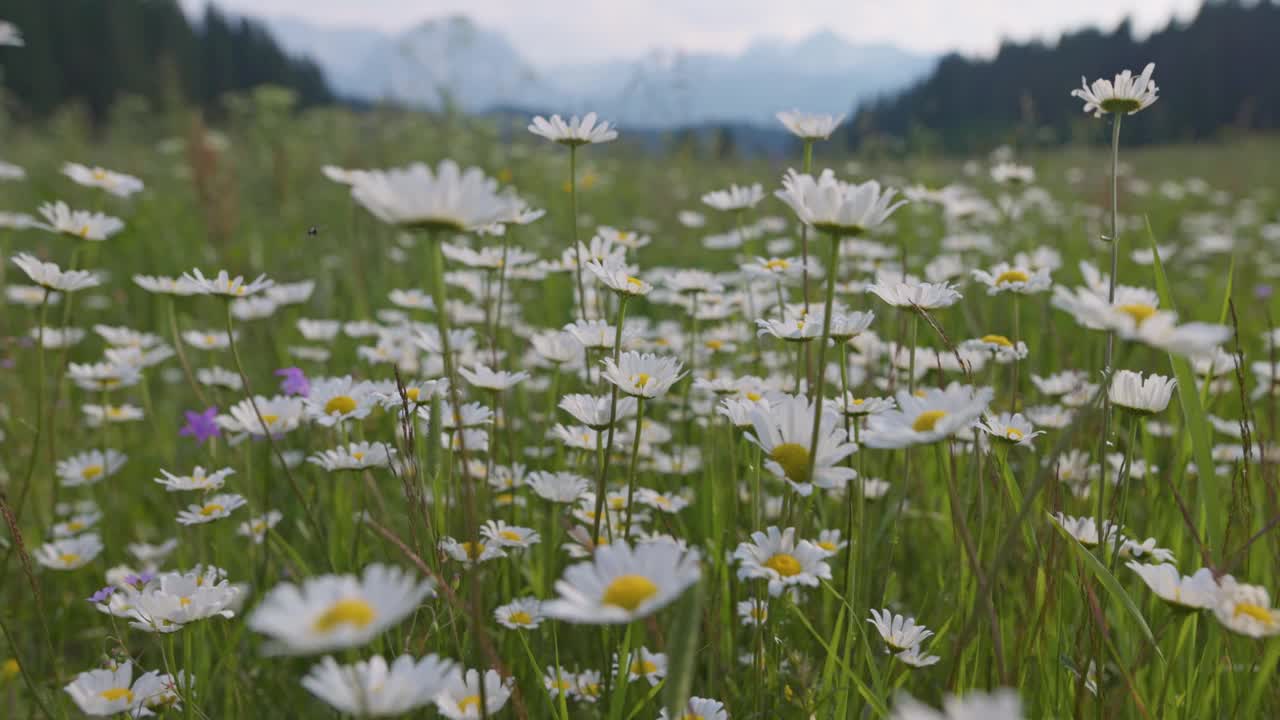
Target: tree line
x=1215, y=74
x=96, y=51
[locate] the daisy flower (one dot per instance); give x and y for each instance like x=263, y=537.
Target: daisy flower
x=774, y=555
x=96, y=415
x=917, y=658
x=89, y=467
x=69, y=553
x=174, y=599
x=257, y=527
x=1125, y=95
x=79, y=223
x=113, y=691
x=460, y=697
x=899, y=633
x=1246, y=609
x=334, y=400
x=162, y=285
x=280, y=414
x=1008, y=173
x=559, y=487
x=198, y=479
x=76, y=524
x=10, y=36
x=594, y=410
x=354, y=456
x=520, y=614
x=915, y=295
x=484, y=378
x=334, y=612
x=927, y=417
x=1197, y=591
x=1009, y=278
x=643, y=375
x=511, y=536
x=1013, y=429
x=617, y=276
x=225, y=285
x=50, y=276
x=577, y=131
x=735, y=198
x=753, y=612
x=620, y=584
x=372, y=688
x=444, y=198
x=807, y=126
x=1148, y=396
x=1085, y=529
x=784, y=431
x=645, y=665
x=469, y=553
x=118, y=184
x=213, y=508
x=860, y=406
x=1001, y=704
x=837, y=207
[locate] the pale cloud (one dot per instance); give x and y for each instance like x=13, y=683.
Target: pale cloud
x=550, y=33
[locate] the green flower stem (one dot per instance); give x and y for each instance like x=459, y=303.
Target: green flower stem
x=631, y=469
x=603, y=478
x=816, y=389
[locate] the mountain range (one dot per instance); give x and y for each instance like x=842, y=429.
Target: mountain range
x=453, y=60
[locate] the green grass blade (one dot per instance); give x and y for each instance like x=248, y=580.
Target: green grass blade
x=1208, y=501
x=1111, y=584
x=682, y=651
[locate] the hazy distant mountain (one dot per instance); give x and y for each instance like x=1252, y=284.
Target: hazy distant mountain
x=479, y=69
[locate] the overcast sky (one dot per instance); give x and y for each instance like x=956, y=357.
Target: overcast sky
x=553, y=32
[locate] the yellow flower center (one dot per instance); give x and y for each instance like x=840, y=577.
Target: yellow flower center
x=783, y=564
x=520, y=617
x=1138, y=311
x=510, y=535
x=714, y=344
x=643, y=667
x=628, y=591
x=210, y=339
x=468, y=702
x=84, y=231
x=270, y=419
x=473, y=549
x=340, y=405
x=69, y=558
x=357, y=455
x=642, y=380
x=1257, y=612
x=114, y=694
x=794, y=459
x=211, y=509
x=89, y=472
x=412, y=393
x=778, y=264
x=10, y=668
x=754, y=396
x=75, y=526
x=184, y=601
x=827, y=545
x=1013, y=434
x=926, y=420
x=1000, y=340
x=1012, y=276
x=634, y=281
x=351, y=611
x=114, y=412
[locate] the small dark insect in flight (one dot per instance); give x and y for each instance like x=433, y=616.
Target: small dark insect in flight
x=313, y=231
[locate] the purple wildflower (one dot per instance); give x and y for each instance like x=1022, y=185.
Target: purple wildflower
x=295, y=381
x=200, y=425
x=102, y=595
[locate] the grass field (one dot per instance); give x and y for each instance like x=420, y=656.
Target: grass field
x=931, y=517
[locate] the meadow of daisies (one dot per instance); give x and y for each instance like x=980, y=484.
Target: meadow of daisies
x=391, y=415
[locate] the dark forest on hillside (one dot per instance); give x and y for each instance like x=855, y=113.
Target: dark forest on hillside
x=1219, y=70
x=95, y=51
